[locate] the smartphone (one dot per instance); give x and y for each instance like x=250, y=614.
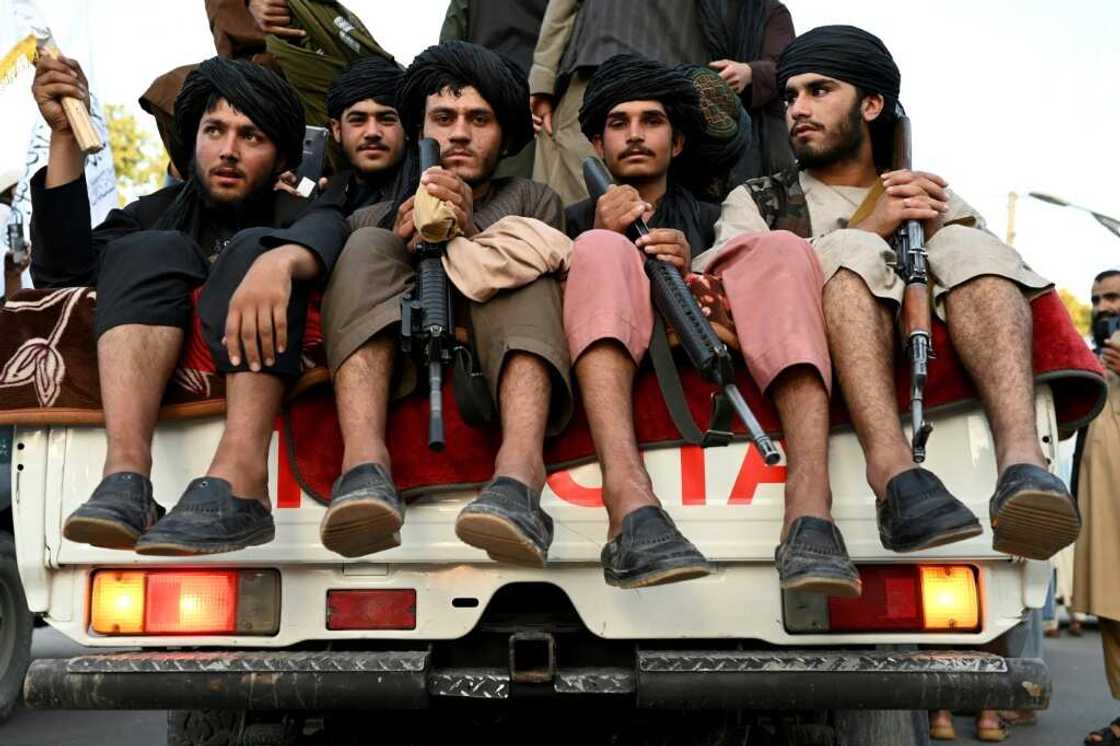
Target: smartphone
x=311, y=167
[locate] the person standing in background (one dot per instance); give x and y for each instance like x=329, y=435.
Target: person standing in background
x=745, y=39
x=1097, y=486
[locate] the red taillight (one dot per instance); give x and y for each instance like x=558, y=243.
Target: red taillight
x=381, y=609
x=896, y=598
x=891, y=600
x=185, y=602
x=191, y=603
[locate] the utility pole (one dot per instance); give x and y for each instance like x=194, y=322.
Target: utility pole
x=1012, y=203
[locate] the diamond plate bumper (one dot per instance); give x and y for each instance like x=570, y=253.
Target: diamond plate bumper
x=320, y=681
x=850, y=680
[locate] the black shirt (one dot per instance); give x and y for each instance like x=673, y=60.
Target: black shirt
x=67, y=251
x=700, y=231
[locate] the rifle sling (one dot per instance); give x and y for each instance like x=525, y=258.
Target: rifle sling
x=672, y=392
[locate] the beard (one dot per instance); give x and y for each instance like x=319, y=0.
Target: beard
x=256, y=191
x=845, y=143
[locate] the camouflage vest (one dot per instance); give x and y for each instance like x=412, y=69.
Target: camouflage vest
x=781, y=202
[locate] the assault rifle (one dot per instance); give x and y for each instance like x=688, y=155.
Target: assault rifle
x=426, y=325
x=675, y=302
x=909, y=246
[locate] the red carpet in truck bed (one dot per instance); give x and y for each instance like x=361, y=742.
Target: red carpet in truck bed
x=1061, y=358
x=49, y=376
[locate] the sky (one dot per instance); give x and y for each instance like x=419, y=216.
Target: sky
x=1004, y=95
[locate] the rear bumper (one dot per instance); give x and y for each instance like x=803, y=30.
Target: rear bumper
x=318, y=681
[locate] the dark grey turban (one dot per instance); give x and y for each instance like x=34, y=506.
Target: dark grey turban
x=456, y=65
x=256, y=92
x=846, y=53
x=366, y=77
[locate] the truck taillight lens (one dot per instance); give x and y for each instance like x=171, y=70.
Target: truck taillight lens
x=191, y=603
x=895, y=598
x=949, y=598
x=118, y=603
x=185, y=602
x=381, y=609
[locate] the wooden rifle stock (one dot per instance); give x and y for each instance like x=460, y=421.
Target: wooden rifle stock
x=89, y=141
x=909, y=244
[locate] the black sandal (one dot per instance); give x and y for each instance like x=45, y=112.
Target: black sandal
x=1107, y=735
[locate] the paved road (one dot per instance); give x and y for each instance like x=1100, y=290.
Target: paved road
x=1081, y=701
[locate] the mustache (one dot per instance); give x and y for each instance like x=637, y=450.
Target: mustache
x=372, y=145
x=227, y=170
x=806, y=124
x=635, y=150
x=457, y=151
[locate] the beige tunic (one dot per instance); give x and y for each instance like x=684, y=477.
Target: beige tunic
x=1096, y=585
x=962, y=250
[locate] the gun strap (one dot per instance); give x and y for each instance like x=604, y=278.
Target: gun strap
x=672, y=392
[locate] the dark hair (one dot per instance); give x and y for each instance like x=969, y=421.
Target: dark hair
x=1106, y=274
x=881, y=129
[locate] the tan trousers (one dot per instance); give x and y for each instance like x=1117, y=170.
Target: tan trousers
x=957, y=254
x=363, y=299
x=1110, y=641
x=559, y=158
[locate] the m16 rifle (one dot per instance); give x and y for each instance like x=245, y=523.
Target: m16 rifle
x=675, y=302
x=909, y=246
x=426, y=323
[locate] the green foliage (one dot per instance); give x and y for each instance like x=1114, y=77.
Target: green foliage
x=1080, y=312
x=138, y=156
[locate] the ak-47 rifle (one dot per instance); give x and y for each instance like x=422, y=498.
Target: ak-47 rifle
x=675, y=302
x=909, y=245
x=426, y=324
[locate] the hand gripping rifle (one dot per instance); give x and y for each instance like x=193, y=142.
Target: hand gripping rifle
x=909, y=245
x=675, y=302
x=426, y=324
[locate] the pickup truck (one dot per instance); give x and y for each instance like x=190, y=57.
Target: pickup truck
x=288, y=643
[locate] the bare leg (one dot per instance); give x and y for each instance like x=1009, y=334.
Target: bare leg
x=802, y=403
x=524, y=392
x=861, y=340
x=606, y=378
x=361, y=388
x=252, y=403
x=990, y=325
x=135, y=362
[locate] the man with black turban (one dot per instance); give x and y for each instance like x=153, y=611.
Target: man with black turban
x=841, y=89
x=644, y=120
x=472, y=102
x=366, y=127
x=251, y=254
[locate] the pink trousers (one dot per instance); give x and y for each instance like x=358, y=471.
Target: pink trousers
x=773, y=284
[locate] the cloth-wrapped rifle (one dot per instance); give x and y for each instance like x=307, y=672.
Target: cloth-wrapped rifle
x=675, y=302
x=909, y=246
x=426, y=324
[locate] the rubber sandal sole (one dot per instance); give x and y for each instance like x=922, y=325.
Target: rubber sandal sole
x=360, y=527
x=826, y=585
x=991, y=735
x=182, y=549
x=950, y=536
x=501, y=539
x=1035, y=525
x=100, y=532
x=658, y=577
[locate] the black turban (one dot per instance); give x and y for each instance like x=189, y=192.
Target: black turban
x=846, y=53
x=628, y=77
x=256, y=92
x=456, y=65
x=366, y=77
